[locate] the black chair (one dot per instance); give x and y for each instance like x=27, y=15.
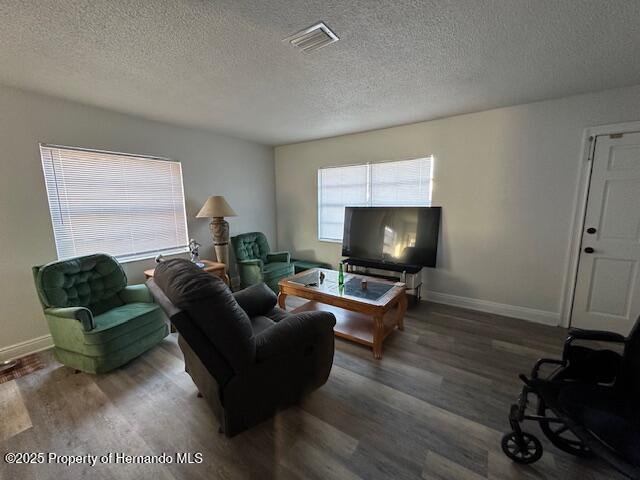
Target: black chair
x=247, y=357
x=588, y=406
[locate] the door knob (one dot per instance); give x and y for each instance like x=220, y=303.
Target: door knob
x=591, y=230
x=589, y=250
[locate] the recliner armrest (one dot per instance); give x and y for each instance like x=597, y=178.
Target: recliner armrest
x=81, y=314
x=288, y=333
x=256, y=300
x=279, y=257
x=251, y=261
x=136, y=294
x=250, y=271
x=161, y=299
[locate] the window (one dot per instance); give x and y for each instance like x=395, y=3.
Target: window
x=403, y=183
x=125, y=205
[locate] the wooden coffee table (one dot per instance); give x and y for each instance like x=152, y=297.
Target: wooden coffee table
x=366, y=316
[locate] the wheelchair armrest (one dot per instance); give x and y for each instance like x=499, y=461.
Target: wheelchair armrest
x=594, y=335
x=601, y=336
x=539, y=363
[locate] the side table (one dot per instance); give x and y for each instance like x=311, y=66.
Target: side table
x=214, y=268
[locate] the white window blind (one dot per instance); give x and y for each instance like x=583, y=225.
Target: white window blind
x=338, y=187
x=401, y=183
x=128, y=206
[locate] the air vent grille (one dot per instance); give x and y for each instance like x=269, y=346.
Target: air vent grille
x=312, y=38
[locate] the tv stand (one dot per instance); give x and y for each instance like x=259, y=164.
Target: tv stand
x=411, y=275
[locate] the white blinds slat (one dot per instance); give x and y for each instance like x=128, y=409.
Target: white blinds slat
x=126, y=206
x=401, y=183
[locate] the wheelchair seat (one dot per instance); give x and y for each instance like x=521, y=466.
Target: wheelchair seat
x=606, y=413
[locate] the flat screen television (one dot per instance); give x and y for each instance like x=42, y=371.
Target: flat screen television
x=397, y=235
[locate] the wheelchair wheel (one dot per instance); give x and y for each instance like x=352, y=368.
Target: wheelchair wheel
x=560, y=435
x=528, y=452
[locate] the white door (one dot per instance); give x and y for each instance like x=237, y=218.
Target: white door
x=607, y=293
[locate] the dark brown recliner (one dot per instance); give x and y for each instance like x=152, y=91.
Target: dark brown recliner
x=246, y=356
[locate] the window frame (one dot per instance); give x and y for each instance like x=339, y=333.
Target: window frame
x=430, y=156
x=128, y=257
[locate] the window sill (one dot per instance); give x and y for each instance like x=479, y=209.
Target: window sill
x=329, y=240
x=147, y=256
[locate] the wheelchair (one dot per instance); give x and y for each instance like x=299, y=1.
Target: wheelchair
x=587, y=405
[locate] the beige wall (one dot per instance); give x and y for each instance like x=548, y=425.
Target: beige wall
x=212, y=164
x=507, y=182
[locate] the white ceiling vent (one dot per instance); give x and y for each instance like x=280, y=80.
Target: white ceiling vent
x=312, y=38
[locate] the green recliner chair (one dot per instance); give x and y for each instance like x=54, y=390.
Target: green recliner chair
x=97, y=322
x=256, y=263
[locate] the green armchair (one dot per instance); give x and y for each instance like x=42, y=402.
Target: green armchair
x=256, y=263
x=97, y=322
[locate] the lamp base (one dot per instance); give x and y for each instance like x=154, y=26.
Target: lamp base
x=220, y=233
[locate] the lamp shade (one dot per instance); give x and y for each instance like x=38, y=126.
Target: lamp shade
x=216, y=206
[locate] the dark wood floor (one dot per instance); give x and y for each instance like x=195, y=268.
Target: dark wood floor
x=435, y=406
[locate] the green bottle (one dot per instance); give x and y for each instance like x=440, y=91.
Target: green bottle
x=340, y=275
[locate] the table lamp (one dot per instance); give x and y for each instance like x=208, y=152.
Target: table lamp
x=216, y=208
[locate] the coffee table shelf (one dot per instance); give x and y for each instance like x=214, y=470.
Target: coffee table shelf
x=353, y=326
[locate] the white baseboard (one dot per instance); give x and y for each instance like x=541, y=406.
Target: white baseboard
x=523, y=313
x=25, y=348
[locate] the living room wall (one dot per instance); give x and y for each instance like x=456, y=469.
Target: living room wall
x=506, y=179
x=212, y=164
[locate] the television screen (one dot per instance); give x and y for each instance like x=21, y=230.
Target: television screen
x=401, y=235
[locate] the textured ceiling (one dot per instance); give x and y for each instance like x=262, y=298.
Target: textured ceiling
x=221, y=65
